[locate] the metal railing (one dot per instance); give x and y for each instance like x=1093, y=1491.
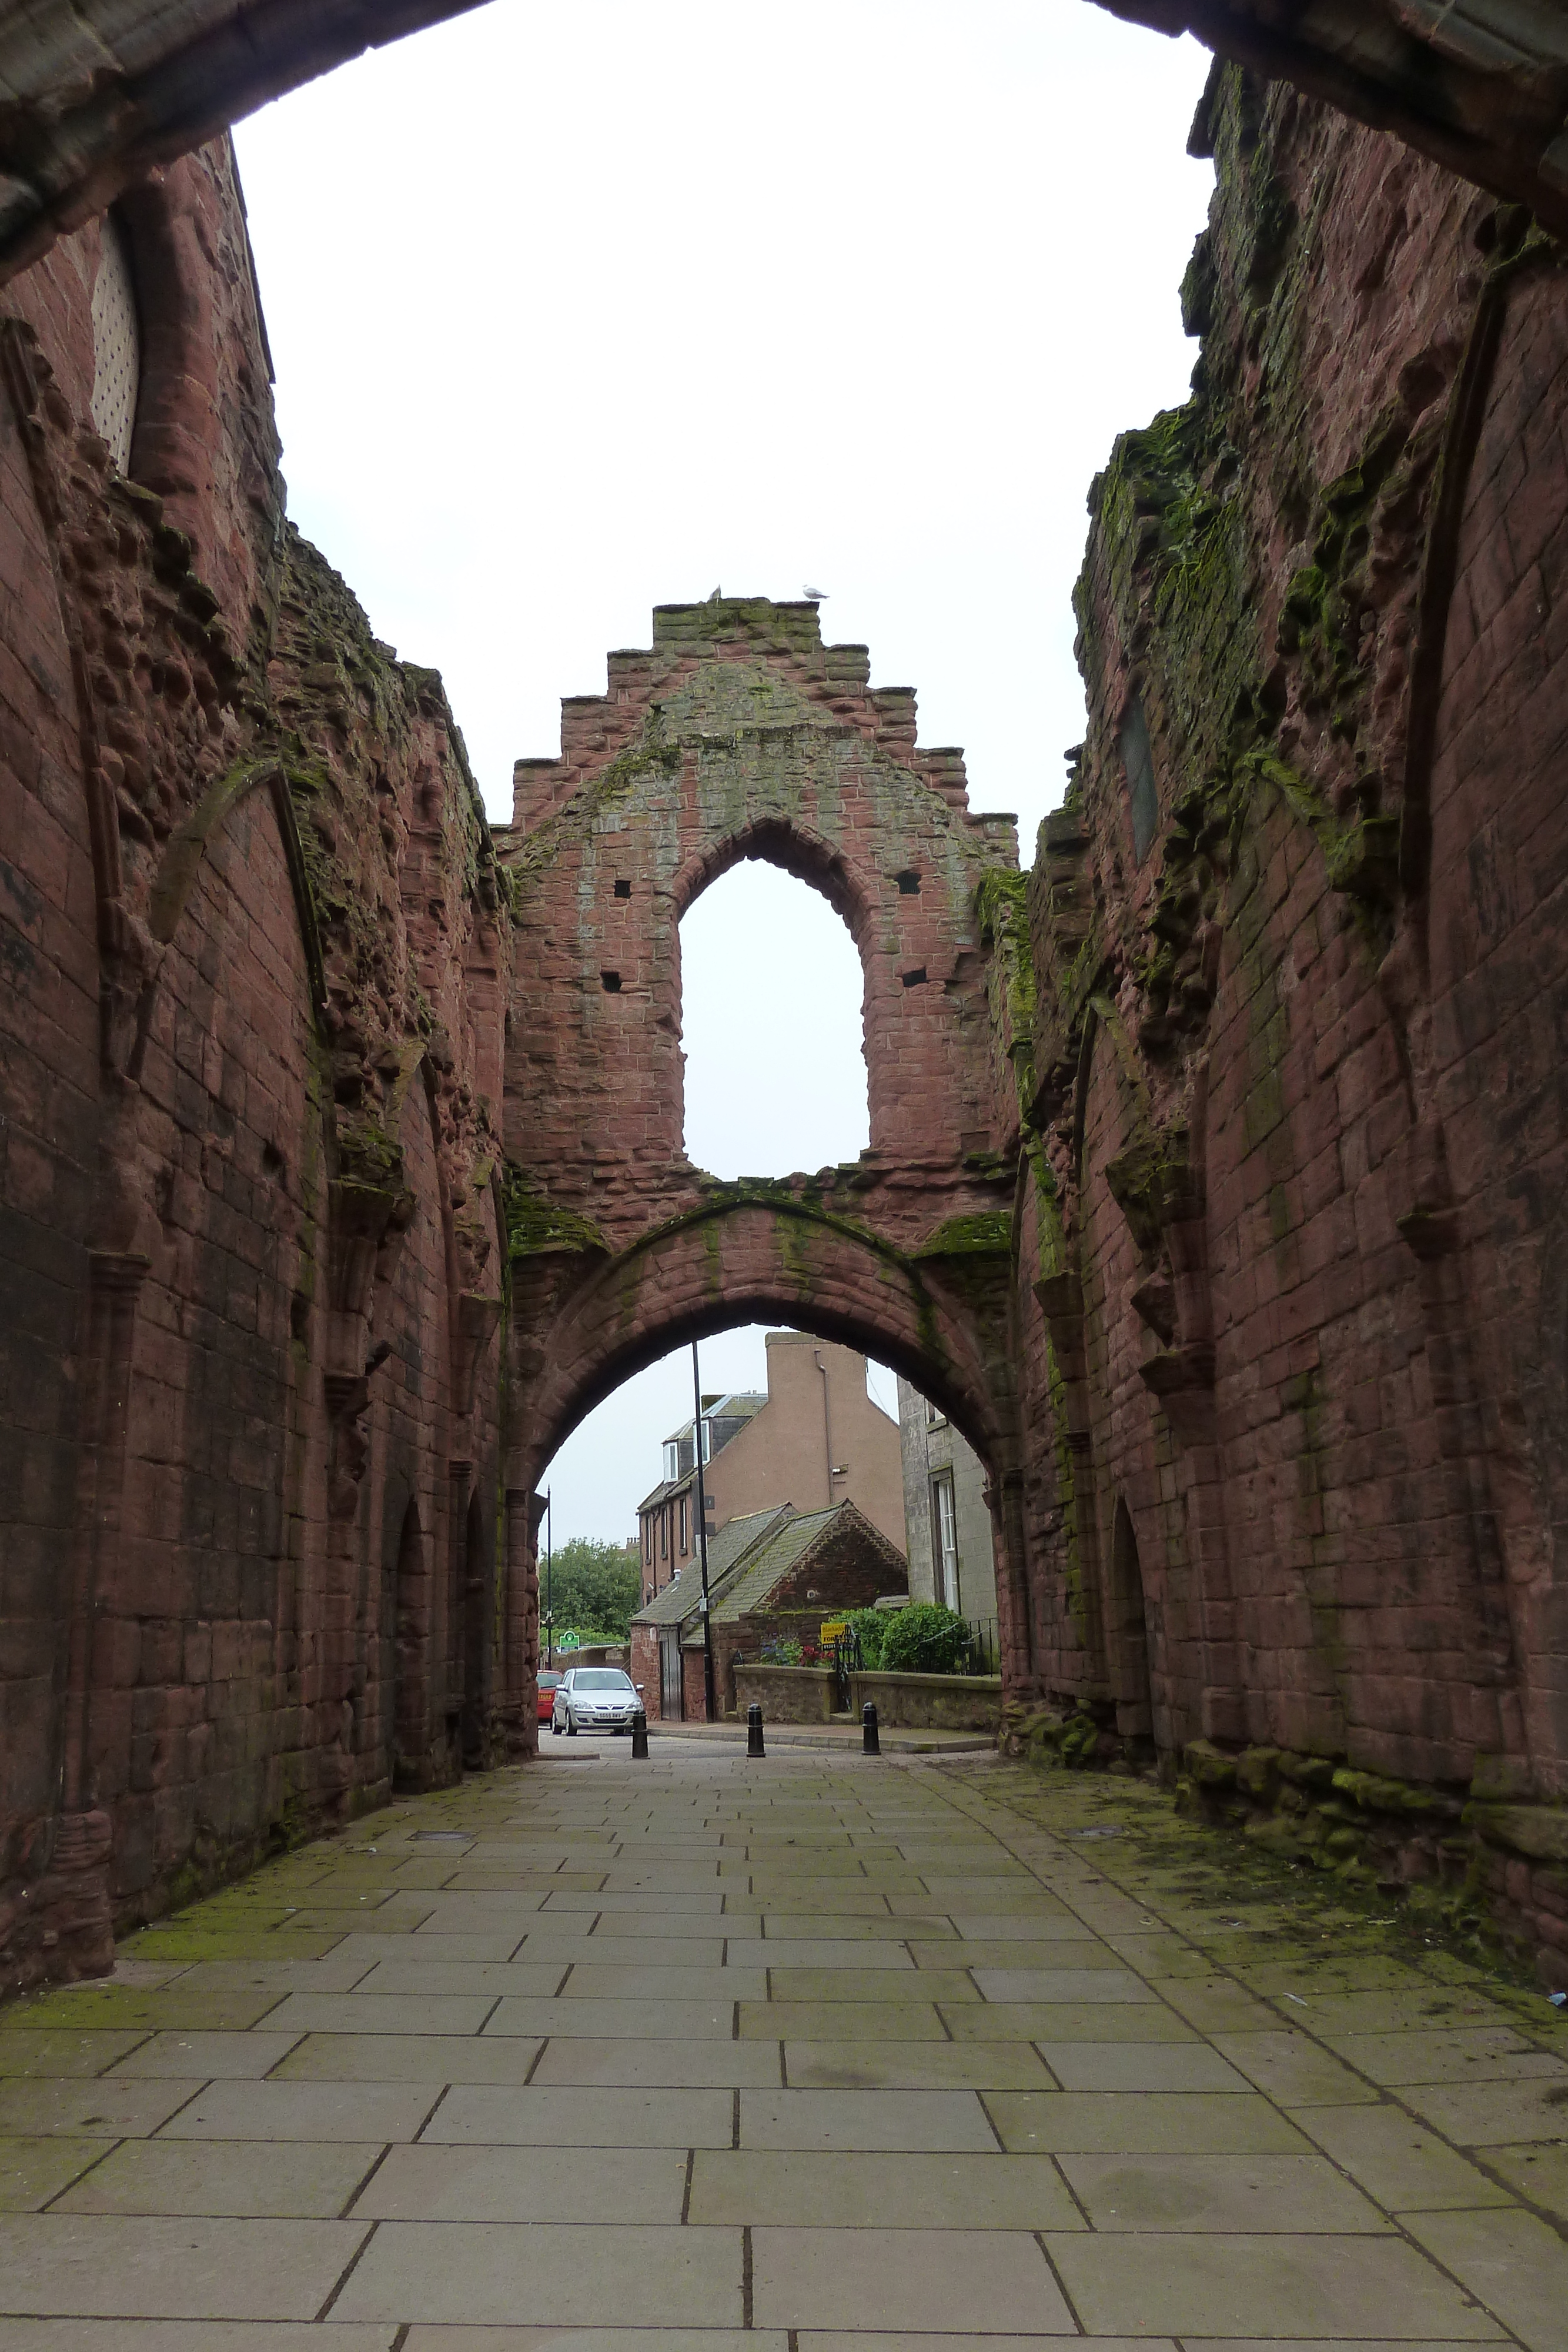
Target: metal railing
x=987, y=1648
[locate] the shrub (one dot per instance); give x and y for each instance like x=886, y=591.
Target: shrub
x=869, y=1627
x=925, y=1639
x=783, y=1651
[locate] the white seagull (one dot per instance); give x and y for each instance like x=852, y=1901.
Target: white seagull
x=815, y=595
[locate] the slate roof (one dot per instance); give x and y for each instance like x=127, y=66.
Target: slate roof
x=724, y=1552
x=760, y=1571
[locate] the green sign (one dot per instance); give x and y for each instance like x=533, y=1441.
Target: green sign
x=568, y=1641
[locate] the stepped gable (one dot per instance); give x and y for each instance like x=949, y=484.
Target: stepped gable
x=833, y=679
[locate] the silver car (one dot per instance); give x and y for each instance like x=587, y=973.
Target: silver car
x=594, y=1698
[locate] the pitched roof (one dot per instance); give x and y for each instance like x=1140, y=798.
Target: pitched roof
x=726, y=1551
x=763, y=1564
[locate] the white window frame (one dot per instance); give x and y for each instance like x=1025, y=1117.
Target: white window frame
x=945, y=1538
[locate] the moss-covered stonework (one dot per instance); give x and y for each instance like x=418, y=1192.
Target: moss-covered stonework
x=1278, y=1386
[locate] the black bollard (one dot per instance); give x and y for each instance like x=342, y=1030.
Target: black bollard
x=640, y=1737
x=871, y=1739
x=754, y=1730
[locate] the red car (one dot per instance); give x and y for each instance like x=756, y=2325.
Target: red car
x=549, y=1683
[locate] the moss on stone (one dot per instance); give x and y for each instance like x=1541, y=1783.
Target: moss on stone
x=987, y=1233
x=535, y=1227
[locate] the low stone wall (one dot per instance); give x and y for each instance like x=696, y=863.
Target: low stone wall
x=931, y=1702
x=787, y=1693
x=1459, y=1856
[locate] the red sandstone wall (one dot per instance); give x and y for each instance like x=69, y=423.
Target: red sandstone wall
x=250, y=1254
x=1296, y=1344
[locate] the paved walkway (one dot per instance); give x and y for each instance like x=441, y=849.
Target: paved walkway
x=807, y=2054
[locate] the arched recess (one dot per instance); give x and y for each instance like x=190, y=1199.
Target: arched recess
x=475, y=1620
x=750, y=1260
x=796, y=850
x=410, y=1619
x=1132, y=1648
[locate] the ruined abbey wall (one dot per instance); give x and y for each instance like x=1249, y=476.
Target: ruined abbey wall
x=1215, y=1177
x=254, y=947
x=1300, y=959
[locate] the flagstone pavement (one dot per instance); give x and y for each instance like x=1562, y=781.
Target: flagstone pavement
x=813, y=2054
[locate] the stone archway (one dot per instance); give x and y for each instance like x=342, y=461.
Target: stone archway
x=95, y=108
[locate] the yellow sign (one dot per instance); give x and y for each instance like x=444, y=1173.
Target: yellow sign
x=834, y=1627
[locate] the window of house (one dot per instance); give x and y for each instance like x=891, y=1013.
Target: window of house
x=935, y=1416
x=672, y=1459
x=945, y=1541
x=647, y=1538
x=707, y=1441
x=663, y=1535
x=683, y=1509
x=116, y=344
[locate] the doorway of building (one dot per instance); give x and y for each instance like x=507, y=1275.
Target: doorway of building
x=672, y=1685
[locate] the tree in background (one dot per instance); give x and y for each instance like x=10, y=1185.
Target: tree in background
x=594, y=1587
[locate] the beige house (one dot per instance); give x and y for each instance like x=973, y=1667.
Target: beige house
x=947, y=1518
x=815, y=1439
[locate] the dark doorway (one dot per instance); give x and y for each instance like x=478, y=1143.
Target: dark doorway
x=409, y=1626
x=1130, y=1635
x=672, y=1688
x=475, y=1646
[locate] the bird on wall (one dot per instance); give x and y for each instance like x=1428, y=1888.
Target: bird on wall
x=815, y=595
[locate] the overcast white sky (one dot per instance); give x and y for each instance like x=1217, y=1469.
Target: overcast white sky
x=578, y=310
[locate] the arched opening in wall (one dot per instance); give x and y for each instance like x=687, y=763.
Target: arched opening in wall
x=116, y=342
x=410, y=1650
x=790, y=1481
x=773, y=1023
x=475, y=1636
x=1129, y=1629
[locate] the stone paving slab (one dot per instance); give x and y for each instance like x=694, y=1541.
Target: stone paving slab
x=241, y=2179
x=228, y=2057
x=584, y=2116
x=1140, y=2123
x=33, y=2172
x=1246, y=2193
x=658, y=2064
x=305, y=2111
x=820, y=2187
x=905, y=2278
x=1447, y=2054
x=523, y=2184
x=687, y=2056
x=865, y=2119
x=406, y=2058
x=189, y=2335
x=916, y=2066
x=1206, y=2285
x=570, y=2274
x=104, y=2109
x=60, y=2052
x=114, y=2266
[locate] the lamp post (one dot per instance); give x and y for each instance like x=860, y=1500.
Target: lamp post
x=711, y=1713
x=549, y=1583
